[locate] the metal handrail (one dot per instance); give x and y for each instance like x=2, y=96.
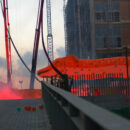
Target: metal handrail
x=93, y=117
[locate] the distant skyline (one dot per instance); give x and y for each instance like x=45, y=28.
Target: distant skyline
x=22, y=17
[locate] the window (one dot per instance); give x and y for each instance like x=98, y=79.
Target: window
x=103, y=16
x=116, y=6
x=102, y=32
x=106, y=31
x=115, y=17
x=99, y=55
x=106, y=42
x=99, y=43
x=114, y=41
x=100, y=17
x=118, y=41
x=104, y=11
x=101, y=6
x=104, y=6
x=106, y=38
x=116, y=31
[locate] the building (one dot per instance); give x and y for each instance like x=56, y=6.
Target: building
x=77, y=29
x=97, y=28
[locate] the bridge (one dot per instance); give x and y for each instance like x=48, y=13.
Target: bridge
x=68, y=102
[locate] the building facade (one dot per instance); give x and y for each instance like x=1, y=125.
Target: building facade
x=97, y=28
x=77, y=24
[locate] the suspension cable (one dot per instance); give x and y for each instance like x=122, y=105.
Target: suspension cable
x=16, y=48
x=44, y=48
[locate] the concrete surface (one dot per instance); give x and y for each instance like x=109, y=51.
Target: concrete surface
x=12, y=119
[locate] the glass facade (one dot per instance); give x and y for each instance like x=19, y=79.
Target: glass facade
x=78, y=28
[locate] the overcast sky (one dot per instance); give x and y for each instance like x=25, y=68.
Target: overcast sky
x=23, y=15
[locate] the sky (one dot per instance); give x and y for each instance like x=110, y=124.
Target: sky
x=22, y=17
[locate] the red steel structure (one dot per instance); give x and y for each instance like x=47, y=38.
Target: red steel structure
x=36, y=43
x=7, y=40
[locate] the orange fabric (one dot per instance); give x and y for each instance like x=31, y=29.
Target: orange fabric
x=71, y=65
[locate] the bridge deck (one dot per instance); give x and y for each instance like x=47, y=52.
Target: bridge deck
x=11, y=119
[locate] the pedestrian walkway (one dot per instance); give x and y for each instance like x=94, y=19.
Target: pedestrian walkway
x=12, y=118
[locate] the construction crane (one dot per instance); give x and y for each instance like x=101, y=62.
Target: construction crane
x=49, y=31
x=7, y=40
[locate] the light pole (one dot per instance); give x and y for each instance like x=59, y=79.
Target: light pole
x=21, y=82
x=126, y=55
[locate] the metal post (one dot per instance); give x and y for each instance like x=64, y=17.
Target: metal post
x=126, y=55
x=66, y=83
x=52, y=80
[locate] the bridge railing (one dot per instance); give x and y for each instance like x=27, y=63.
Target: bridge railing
x=95, y=84
x=69, y=112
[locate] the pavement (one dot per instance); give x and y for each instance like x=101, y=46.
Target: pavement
x=13, y=119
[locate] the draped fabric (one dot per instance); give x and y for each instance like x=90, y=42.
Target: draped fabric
x=71, y=65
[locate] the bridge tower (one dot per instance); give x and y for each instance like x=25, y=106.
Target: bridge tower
x=7, y=40
x=36, y=43
x=49, y=31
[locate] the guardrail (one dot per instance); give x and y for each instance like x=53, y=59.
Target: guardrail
x=69, y=112
x=94, y=84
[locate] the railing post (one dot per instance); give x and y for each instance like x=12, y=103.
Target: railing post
x=52, y=80
x=66, y=83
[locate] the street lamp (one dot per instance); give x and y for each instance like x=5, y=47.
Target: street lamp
x=21, y=82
